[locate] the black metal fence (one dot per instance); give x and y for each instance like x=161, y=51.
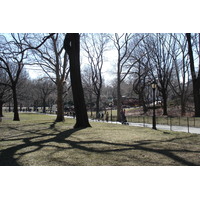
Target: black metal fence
x=165, y=120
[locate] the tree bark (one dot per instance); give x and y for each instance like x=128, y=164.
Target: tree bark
x=195, y=79
x=15, y=102
x=164, y=95
x=183, y=104
x=1, y=109
x=44, y=105
x=119, y=98
x=97, y=105
x=60, y=106
x=72, y=47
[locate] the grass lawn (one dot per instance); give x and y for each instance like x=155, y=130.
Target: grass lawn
x=37, y=141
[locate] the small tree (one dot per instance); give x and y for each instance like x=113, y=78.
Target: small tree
x=12, y=59
x=95, y=45
x=159, y=48
x=44, y=87
x=125, y=47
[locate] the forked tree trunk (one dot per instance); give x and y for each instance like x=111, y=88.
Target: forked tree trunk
x=72, y=47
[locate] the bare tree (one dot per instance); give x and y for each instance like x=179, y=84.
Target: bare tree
x=72, y=47
x=180, y=77
x=44, y=87
x=52, y=58
x=140, y=83
x=159, y=48
x=125, y=47
x=12, y=57
x=88, y=88
x=95, y=45
x=140, y=74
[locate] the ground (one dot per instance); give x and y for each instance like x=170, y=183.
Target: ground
x=38, y=141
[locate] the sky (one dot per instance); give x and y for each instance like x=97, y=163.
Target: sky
x=108, y=70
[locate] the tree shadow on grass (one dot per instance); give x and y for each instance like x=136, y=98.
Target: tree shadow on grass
x=140, y=146
x=8, y=155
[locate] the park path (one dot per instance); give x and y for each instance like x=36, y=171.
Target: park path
x=169, y=128
x=160, y=126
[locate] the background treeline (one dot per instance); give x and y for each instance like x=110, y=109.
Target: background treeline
x=172, y=60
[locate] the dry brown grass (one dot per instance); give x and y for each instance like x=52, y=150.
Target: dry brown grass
x=37, y=141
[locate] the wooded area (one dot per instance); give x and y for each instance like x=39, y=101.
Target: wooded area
x=74, y=72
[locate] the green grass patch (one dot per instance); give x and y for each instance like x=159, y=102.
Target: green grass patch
x=37, y=140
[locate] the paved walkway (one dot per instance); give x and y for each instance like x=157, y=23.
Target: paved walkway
x=159, y=126
x=167, y=127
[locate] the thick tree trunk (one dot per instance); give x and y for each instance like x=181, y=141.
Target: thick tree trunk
x=164, y=104
x=90, y=97
x=97, y=105
x=44, y=105
x=9, y=107
x=72, y=46
x=140, y=96
x=196, y=93
x=183, y=104
x=143, y=103
x=1, y=109
x=195, y=79
x=15, y=109
x=60, y=106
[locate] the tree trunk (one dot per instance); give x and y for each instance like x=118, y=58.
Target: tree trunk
x=119, y=104
x=90, y=97
x=60, y=106
x=197, y=97
x=9, y=107
x=72, y=47
x=143, y=103
x=183, y=104
x=97, y=105
x=183, y=111
x=15, y=109
x=44, y=105
x=1, y=109
x=164, y=95
x=195, y=80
